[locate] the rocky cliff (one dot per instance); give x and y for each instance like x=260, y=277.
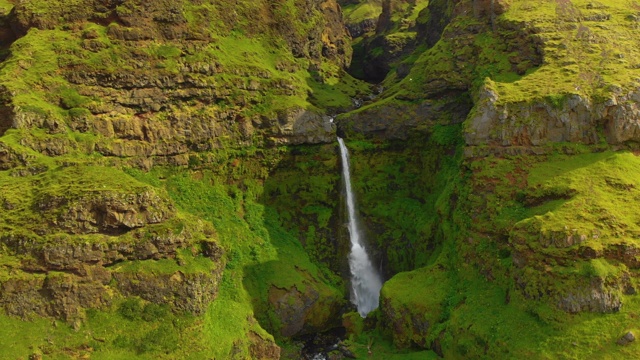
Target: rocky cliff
x=94, y=91
x=153, y=82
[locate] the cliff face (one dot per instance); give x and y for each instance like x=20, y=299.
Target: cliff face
x=595, y=98
x=67, y=229
x=93, y=91
x=154, y=81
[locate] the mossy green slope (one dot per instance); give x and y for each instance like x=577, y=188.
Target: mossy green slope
x=588, y=48
x=499, y=289
x=532, y=52
x=262, y=256
x=136, y=84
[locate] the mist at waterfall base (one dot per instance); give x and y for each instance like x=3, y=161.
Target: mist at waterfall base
x=365, y=280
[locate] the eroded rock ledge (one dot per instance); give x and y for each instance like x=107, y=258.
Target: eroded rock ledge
x=574, y=118
x=66, y=258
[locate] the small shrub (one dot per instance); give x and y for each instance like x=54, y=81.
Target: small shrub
x=446, y=135
x=556, y=100
x=69, y=98
x=164, y=338
x=155, y=312
x=122, y=341
x=79, y=113
x=167, y=51
x=131, y=309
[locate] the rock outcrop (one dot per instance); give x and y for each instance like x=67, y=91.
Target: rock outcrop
x=174, y=91
x=304, y=312
x=109, y=212
x=408, y=313
x=574, y=118
x=63, y=280
x=626, y=339
x=72, y=235
x=399, y=121
x=185, y=293
x=594, y=297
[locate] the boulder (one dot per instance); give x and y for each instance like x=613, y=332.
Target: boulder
x=626, y=339
x=305, y=311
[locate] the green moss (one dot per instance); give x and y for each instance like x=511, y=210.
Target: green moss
x=573, y=38
x=426, y=304
x=71, y=99
x=305, y=192
x=594, y=203
x=185, y=263
x=587, y=47
x=256, y=66
x=355, y=13
x=405, y=217
x=165, y=51
x=106, y=335
x=35, y=202
x=332, y=88
x=514, y=203
x=6, y=6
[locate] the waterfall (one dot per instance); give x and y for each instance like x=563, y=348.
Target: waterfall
x=365, y=280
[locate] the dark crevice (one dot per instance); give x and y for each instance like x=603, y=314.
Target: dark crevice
x=6, y=116
x=7, y=37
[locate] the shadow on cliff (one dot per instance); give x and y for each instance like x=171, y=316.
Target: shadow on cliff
x=297, y=292
x=291, y=296
x=7, y=37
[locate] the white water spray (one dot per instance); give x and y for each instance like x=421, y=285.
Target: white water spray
x=365, y=280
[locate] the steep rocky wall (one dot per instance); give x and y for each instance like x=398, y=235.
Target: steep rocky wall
x=573, y=118
x=89, y=86
x=182, y=20
x=154, y=81
x=65, y=241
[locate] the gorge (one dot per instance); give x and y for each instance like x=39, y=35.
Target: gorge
x=171, y=186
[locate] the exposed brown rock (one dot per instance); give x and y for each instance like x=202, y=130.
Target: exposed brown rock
x=304, y=311
x=538, y=122
x=61, y=295
x=186, y=293
x=406, y=324
x=262, y=349
x=401, y=120
x=626, y=339
x=594, y=297
x=83, y=280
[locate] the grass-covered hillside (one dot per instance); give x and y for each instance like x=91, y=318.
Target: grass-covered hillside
x=151, y=82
